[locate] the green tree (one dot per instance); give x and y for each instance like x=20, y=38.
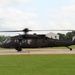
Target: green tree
x=69, y=35
x=2, y=38
x=62, y=36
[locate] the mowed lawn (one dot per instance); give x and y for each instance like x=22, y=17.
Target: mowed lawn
x=37, y=64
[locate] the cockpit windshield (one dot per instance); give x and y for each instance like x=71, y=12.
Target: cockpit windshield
x=8, y=40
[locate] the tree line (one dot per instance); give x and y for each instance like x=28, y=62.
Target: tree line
x=67, y=36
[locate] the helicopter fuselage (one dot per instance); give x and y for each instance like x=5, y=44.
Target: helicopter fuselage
x=34, y=41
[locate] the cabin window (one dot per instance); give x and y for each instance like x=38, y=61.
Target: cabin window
x=23, y=41
x=16, y=41
x=29, y=41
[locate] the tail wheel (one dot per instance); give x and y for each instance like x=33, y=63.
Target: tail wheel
x=19, y=49
x=70, y=49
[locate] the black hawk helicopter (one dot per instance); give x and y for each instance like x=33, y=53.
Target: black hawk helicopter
x=34, y=40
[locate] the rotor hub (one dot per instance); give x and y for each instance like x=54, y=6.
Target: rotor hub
x=26, y=30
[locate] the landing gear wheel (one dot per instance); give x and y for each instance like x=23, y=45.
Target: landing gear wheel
x=19, y=49
x=69, y=48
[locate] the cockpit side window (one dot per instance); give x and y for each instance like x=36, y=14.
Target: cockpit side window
x=8, y=40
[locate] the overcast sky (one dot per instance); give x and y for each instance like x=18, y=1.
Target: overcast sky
x=37, y=14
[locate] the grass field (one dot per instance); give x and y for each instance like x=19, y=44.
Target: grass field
x=37, y=64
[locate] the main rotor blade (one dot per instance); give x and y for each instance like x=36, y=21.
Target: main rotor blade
x=13, y=31
x=53, y=30
x=27, y=30
x=24, y=30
